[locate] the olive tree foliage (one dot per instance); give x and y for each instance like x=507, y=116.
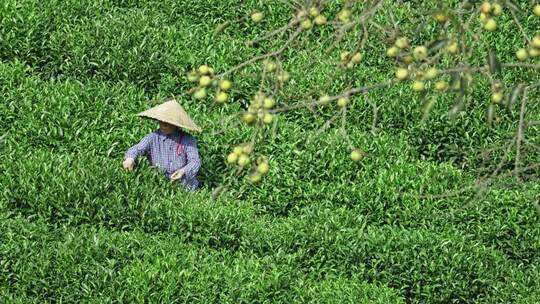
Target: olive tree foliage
x=438, y=54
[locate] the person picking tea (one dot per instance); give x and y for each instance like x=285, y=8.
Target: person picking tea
x=170, y=148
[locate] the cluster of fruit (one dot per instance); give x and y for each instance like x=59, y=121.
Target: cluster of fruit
x=342, y=101
x=420, y=77
x=241, y=157
x=488, y=11
x=533, y=50
x=261, y=169
x=400, y=51
x=259, y=108
x=204, y=76
x=349, y=60
x=306, y=18
x=497, y=94
x=344, y=15
x=270, y=66
x=419, y=54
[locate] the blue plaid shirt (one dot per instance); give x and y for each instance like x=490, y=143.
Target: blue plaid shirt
x=170, y=153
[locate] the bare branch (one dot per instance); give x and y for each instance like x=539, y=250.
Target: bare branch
x=264, y=56
x=519, y=135
x=520, y=27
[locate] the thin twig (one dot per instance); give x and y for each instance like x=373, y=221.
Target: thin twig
x=272, y=33
x=345, y=93
x=519, y=136
x=520, y=27
x=526, y=141
x=322, y=128
x=375, y=116
x=264, y=56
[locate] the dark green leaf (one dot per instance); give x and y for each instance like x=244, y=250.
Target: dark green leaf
x=454, y=80
x=463, y=85
x=493, y=62
x=436, y=45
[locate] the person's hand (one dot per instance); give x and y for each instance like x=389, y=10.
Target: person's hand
x=177, y=175
x=128, y=164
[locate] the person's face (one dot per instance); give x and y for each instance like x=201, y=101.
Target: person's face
x=166, y=128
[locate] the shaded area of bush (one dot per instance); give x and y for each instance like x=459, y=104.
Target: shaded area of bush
x=95, y=264
x=466, y=255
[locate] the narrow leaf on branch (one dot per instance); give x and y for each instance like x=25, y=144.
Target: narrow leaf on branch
x=454, y=79
x=490, y=113
x=464, y=85
x=456, y=108
x=436, y=45
x=493, y=62
x=420, y=28
x=220, y=28
x=426, y=107
x=514, y=95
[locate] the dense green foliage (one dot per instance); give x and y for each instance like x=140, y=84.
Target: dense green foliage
x=75, y=227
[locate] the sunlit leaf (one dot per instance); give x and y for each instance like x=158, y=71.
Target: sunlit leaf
x=426, y=107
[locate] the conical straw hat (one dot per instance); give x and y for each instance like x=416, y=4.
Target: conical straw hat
x=171, y=112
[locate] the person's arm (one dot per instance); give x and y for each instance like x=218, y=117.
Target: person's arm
x=193, y=165
x=143, y=147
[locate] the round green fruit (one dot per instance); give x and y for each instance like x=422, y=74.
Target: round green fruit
x=232, y=158
x=418, y=86
x=420, y=52
x=320, y=20
x=222, y=97
x=257, y=17
x=225, y=85
x=402, y=73
x=522, y=54
x=200, y=93
x=357, y=155
x=263, y=168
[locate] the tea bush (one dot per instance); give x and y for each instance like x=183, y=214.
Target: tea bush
x=75, y=227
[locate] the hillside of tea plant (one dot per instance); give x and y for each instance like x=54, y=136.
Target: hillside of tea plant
x=403, y=225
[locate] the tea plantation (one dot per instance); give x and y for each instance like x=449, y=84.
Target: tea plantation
x=319, y=228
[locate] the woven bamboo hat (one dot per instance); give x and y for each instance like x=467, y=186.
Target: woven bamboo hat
x=171, y=112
